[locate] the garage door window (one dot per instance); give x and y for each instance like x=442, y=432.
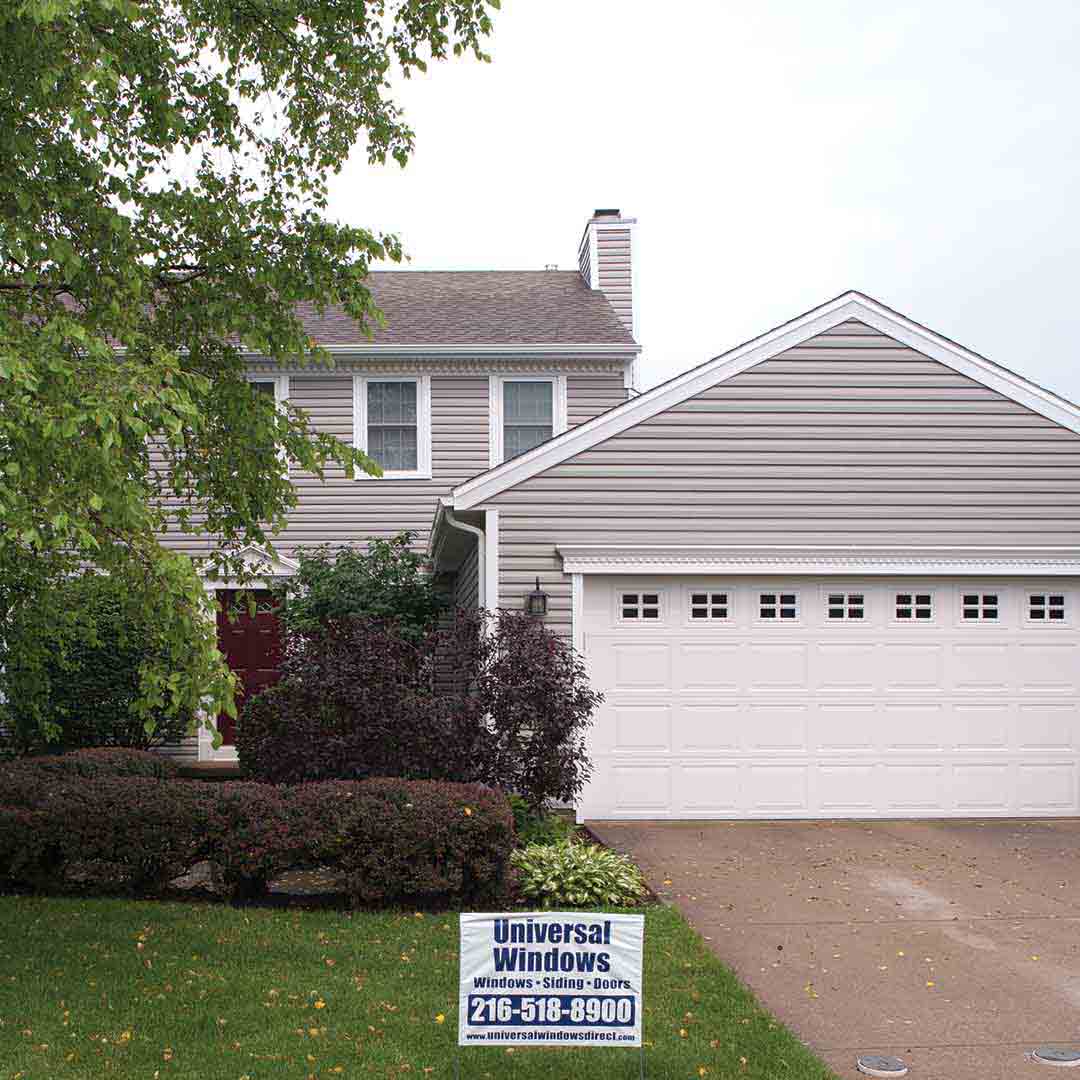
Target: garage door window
x=639, y=606
x=843, y=606
x=708, y=606
x=1046, y=607
x=980, y=607
x=914, y=607
x=773, y=606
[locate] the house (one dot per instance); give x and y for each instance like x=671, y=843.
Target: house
x=834, y=572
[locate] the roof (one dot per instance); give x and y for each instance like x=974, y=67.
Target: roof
x=849, y=305
x=490, y=307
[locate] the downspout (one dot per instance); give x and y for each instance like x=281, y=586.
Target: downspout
x=481, y=583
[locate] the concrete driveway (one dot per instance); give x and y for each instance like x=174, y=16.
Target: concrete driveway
x=952, y=944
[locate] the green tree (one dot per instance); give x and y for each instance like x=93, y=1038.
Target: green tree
x=163, y=209
x=388, y=582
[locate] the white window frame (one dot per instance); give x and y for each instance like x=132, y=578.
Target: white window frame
x=1040, y=589
x=281, y=396
x=778, y=591
x=1005, y=600
x=708, y=623
x=495, y=409
x=936, y=594
x=423, y=424
x=637, y=587
x=846, y=591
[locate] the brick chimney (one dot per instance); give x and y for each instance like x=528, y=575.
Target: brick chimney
x=605, y=258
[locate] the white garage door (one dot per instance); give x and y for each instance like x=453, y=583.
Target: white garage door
x=800, y=697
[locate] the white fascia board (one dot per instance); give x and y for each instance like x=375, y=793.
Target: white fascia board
x=732, y=560
x=850, y=305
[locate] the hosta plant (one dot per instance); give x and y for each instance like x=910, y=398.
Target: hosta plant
x=566, y=874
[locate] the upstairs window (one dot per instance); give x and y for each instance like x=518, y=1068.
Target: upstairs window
x=525, y=413
x=978, y=607
x=778, y=606
x=1046, y=607
x=528, y=416
x=392, y=424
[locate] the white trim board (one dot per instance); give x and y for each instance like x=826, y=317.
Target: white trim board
x=851, y=305
x=783, y=559
x=589, y=348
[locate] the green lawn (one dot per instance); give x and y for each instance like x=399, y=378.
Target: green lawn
x=105, y=988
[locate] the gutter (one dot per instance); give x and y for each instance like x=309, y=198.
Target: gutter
x=446, y=513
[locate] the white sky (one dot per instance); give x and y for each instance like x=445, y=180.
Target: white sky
x=775, y=153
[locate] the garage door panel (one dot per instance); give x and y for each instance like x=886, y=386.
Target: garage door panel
x=845, y=667
x=708, y=788
x=1047, y=667
x=846, y=789
x=1046, y=787
x=708, y=728
x=642, y=729
x=775, y=727
x=983, y=726
x=911, y=667
x=711, y=666
x=777, y=789
x=910, y=726
x=914, y=787
x=1045, y=726
x=979, y=787
x=980, y=666
x=814, y=718
x=772, y=666
x=844, y=728
x=642, y=787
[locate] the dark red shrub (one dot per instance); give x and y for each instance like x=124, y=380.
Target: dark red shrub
x=248, y=836
x=359, y=700
x=106, y=761
x=125, y=834
x=437, y=842
x=499, y=700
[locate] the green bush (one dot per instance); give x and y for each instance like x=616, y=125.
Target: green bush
x=386, y=583
x=105, y=761
x=566, y=874
x=539, y=826
x=80, y=681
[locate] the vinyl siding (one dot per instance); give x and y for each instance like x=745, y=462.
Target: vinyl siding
x=337, y=510
x=467, y=584
x=614, y=271
x=849, y=438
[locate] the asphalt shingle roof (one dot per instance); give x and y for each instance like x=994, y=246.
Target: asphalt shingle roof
x=490, y=307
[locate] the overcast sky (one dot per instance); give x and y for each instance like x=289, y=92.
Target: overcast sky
x=775, y=153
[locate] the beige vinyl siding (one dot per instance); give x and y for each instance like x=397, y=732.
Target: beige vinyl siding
x=467, y=584
x=849, y=438
x=614, y=271
x=338, y=510
x=589, y=395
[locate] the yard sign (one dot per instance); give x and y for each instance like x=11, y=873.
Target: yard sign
x=550, y=977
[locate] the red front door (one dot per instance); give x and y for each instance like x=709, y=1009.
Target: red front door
x=251, y=645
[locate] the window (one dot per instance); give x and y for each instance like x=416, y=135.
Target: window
x=276, y=387
x=708, y=605
x=980, y=606
x=524, y=413
x=846, y=605
x=639, y=605
x=778, y=606
x=1046, y=607
x=910, y=607
x=392, y=424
